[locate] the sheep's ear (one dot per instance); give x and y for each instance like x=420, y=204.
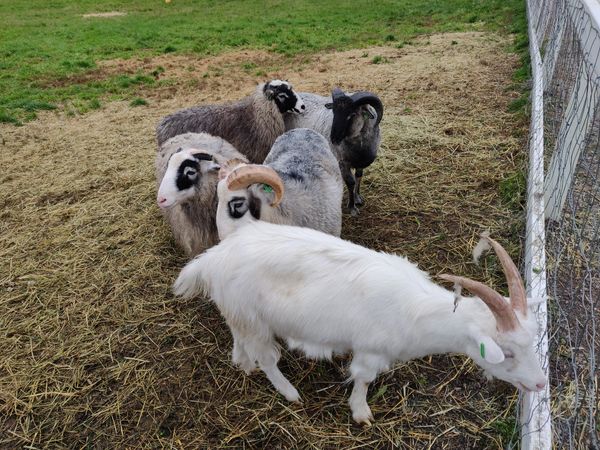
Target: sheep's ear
x=329, y=105
x=211, y=166
x=488, y=349
x=262, y=193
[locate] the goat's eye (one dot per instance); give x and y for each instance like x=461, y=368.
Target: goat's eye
x=190, y=173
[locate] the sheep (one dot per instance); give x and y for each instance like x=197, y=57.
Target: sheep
x=251, y=125
x=301, y=164
x=351, y=123
x=326, y=296
x=187, y=174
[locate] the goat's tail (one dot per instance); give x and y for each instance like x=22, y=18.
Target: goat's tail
x=191, y=281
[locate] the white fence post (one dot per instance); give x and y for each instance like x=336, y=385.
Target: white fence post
x=535, y=419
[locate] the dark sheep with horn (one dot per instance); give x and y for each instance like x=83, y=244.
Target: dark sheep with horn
x=351, y=124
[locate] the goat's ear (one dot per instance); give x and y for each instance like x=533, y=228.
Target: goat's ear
x=488, y=349
x=328, y=105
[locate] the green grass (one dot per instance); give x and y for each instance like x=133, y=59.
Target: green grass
x=45, y=45
x=138, y=102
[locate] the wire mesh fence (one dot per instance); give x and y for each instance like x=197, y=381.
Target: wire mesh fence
x=565, y=54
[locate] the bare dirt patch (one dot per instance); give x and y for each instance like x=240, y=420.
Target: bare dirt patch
x=96, y=351
x=105, y=14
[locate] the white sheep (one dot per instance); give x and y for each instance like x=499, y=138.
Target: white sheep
x=301, y=165
x=324, y=295
x=187, y=168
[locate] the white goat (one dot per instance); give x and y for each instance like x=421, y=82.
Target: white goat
x=325, y=295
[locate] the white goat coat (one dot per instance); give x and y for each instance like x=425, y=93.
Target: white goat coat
x=274, y=279
x=325, y=295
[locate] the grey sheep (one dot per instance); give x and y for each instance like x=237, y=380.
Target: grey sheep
x=351, y=123
x=251, y=124
x=187, y=168
x=298, y=184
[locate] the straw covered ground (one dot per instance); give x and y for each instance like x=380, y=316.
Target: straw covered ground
x=95, y=350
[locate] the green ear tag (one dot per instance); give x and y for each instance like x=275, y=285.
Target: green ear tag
x=482, y=350
x=267, y=188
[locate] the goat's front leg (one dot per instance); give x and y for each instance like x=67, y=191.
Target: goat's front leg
x=350, y=184
x=359, y=200
x=239, y=356
x=363, y=370
x=267, y=355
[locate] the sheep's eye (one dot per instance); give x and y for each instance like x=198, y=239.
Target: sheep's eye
x=508, y=354
x=189, y=172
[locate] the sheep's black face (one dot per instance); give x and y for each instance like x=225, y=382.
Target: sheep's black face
x=187, y=174
x=350, y=113
x=239, y=206
x=184, y=173
x=283, y=95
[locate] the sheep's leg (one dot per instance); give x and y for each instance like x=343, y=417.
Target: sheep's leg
x=363, y=369
x=239, y=356
x=358, y=173
x=267, y=355
x=350, y=184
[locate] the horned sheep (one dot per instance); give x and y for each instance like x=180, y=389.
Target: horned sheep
x=298, y=184
x=351, y=123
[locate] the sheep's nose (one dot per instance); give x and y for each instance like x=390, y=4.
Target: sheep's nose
x=541, y=385
x=161, y=201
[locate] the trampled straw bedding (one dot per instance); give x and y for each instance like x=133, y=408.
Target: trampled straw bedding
x=96, y=352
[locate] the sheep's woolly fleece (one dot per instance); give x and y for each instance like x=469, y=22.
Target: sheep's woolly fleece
x=96, y=351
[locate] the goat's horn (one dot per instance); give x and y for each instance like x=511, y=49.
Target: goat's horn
x=368, y=98
x=244, y=176
x=506, y=319
x=516, y=290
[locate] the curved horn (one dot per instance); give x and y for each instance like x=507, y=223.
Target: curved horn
x=244, y=176
x=337, y=94
x=516, y=290
x=362, y=98
x=506, y=319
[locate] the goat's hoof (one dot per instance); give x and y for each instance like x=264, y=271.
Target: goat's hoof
x=293, y=397
x=358, y=200
x=363, y=417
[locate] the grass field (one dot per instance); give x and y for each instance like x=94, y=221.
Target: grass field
x=96, y=352
x=48, y=49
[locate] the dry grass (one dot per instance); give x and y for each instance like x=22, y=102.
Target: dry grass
x=95, y=350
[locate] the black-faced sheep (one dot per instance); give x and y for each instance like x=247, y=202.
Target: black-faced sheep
x=251, y=124
x=351, y=123
x=187, y=168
